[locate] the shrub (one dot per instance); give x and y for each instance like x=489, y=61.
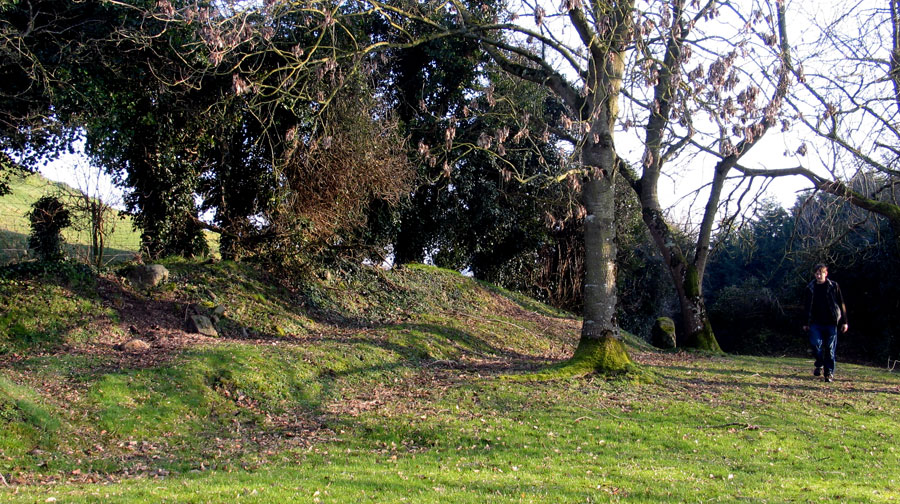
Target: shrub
x=48, y=218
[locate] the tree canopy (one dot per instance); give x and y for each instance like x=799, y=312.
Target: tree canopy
x=487, y=137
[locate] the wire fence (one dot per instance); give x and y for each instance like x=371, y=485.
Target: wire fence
x=117, y=248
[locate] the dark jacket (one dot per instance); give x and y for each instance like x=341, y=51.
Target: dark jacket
x=835, y=302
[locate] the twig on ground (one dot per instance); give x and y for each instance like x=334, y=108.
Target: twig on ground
x=732, y=424
x=495, y=319
x=3, y=479
x=439, y=361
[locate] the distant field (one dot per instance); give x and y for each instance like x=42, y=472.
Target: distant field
x=123, y=244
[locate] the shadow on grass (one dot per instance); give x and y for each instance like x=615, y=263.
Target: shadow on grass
x=525, y=302
x=785, y=381
x=49, y=303
x=423, y=340
x=412, y=356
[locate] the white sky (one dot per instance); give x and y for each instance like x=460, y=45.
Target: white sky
x=76, y=171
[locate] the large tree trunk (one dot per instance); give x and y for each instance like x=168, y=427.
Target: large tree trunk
x=606, y=34
x=601, y=345
x=695, y=320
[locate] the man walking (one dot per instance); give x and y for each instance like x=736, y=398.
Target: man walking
x=825, y=313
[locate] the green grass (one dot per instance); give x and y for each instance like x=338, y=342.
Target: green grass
x=392, y=387
x=484, y=440
x=29, y=423
x=46, y=305
x=121, y=245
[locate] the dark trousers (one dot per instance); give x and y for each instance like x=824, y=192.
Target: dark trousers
x=823, y=339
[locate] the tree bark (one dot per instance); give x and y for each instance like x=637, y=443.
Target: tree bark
x=600, y=255
x=695, y=319
x=601, y=344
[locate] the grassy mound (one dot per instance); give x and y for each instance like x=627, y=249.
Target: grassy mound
x=385, y=386
x=281, y=358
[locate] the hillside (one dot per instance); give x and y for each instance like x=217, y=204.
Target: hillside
x=389, y=386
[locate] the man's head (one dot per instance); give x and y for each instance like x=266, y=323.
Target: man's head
x=821, y=273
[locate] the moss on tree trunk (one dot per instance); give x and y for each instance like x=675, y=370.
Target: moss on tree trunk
x=699, y=331
x=606, y=355
x=704, y=339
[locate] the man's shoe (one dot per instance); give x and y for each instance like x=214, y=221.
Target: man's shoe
x=817, y=372
x=829, y=378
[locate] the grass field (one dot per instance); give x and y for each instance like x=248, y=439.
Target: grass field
x=375, y=386
x=121, y=245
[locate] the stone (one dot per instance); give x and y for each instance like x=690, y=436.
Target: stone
x=201, y=324
x=148, y=276
x=136, y=346
x=663, y=333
